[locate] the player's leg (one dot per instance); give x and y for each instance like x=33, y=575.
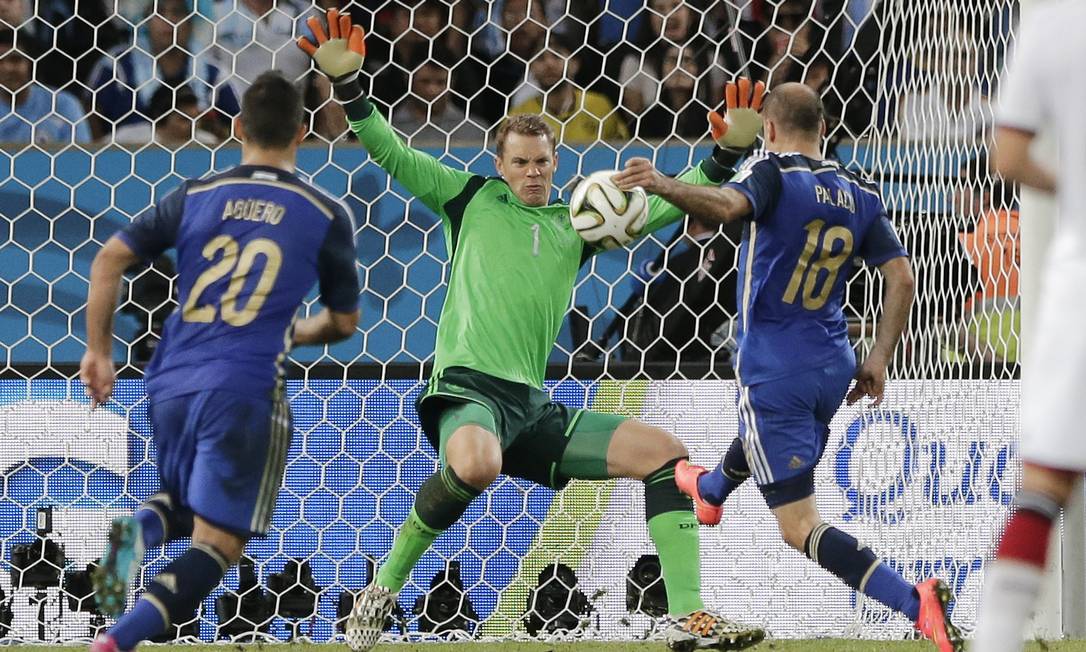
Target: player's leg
x=158, y=519
x=709, y=489
x=857, y=566
x=642, y=452
x=604, y=446
x=213, y=473
x=471, y=457
x=840, y=553
x=1013, y=581
x=176, y=592
x=784, y=426
x=161, y=519
x=784, y=440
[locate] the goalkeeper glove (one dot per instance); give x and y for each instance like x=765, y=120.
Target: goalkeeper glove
x=737, y=130
x=339, y=53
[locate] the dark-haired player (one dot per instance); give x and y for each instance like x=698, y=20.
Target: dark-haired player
x=251, y=242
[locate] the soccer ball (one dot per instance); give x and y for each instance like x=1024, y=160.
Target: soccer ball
x=605, y=216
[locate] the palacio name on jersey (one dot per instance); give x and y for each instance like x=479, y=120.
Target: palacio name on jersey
x=253, y=210
x=824, y=195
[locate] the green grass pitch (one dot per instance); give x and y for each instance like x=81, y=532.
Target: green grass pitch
x=835, y=645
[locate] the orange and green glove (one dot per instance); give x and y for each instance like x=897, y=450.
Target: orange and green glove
x=736, y=132
x=339, y=54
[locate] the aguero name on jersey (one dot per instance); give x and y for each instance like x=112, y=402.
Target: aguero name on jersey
x=251, y=242
x=810, y=220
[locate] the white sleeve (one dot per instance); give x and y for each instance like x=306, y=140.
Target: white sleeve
x=1022, y=98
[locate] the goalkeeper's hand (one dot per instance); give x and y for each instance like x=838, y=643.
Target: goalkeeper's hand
x=339, y=53
x=736, y=131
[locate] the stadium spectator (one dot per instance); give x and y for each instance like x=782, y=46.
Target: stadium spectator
x=175, y=114
x=682, y=299
x=254, y=36
x=415, y=35
x=64, y=37
x=494, y=22
x=164, y=54
x=504, y=65
x=576, y=115
x=991, y=243
x=30, y=112
x=427, y=115
x=787, y=37
x=670, y=23
x=681, y=98
x=945, y=100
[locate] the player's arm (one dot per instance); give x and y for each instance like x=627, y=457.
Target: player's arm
x=150, y=234
x=881, y=247
x=1013, y=161
x=1023, y=110
x=325, y=327
x=96, y=369
x=339, y=54
x=337, y=275
x=696, y=191
x=677, y=197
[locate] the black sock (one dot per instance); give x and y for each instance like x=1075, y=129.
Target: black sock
x=442, y=499
x=662, y=494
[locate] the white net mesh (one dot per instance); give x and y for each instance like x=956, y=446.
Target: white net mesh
x=924, y=480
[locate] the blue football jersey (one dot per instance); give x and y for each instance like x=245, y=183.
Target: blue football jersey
x=810, y=220
x=251, y=242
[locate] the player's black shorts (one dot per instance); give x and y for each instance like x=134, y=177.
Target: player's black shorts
x=533, y=430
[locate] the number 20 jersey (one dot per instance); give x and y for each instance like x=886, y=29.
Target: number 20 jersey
x=251, y=242
x=810, y=220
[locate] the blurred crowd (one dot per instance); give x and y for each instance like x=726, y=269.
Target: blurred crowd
x=449, y=70
x=171, y=72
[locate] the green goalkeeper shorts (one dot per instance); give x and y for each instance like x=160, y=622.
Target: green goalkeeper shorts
x=542, y=441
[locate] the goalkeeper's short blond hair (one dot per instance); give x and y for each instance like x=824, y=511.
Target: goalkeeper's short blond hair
x=525, y=124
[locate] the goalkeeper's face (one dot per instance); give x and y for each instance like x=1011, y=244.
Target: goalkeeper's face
x=527, y=164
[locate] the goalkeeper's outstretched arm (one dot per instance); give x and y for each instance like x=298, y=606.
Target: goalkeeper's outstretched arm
x=339, y=54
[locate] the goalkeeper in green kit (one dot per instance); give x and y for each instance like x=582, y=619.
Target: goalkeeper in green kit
x=514, y=259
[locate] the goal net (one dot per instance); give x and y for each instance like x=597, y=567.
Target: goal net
x=115, y=103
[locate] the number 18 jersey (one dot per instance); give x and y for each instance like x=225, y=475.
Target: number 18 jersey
x=251, y=242
x=810, y=220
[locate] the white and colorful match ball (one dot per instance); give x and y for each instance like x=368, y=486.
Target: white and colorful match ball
x=605, y=216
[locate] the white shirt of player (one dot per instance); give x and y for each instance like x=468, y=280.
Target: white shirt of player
x=1044, y=90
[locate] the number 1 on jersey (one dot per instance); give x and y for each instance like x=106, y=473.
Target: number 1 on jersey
x=815, y=296
x=535, y=239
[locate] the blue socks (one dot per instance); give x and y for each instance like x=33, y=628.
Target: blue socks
x=857, y=566
x=716, y=485
x=151, y=527
x=172, y=597
x=160, y=521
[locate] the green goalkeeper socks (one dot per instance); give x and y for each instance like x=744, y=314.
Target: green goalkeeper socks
x=674, y=530
x=441, y=500
x=413, y=539
x=676, y=537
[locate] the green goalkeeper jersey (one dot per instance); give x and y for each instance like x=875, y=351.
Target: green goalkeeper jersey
x=512, y=266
